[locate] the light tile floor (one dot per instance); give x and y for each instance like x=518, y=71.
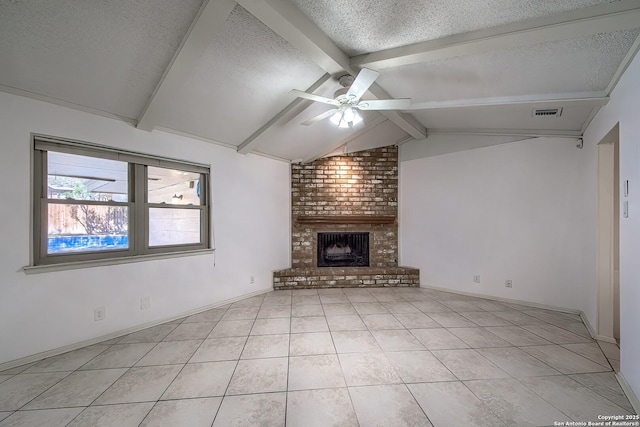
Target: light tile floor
x=334, y=357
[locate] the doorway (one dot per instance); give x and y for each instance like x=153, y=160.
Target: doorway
x=608, y=256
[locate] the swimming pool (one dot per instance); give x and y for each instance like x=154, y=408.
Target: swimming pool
x=62, y=244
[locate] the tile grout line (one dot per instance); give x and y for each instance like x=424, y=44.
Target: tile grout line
x=184, y=365
x=224, y=396
x=394, y=315
x=134, y=365
x=497, y=415
x=343, y=373
x=286, y=393
x=78, y=369
x=179, y=372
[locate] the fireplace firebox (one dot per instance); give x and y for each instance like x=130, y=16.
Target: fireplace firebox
x=343, y=249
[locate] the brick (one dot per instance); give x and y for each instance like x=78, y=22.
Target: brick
x=363, y=183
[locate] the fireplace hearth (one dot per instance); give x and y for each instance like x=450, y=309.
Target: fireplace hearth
x=344, y=223
x=343, y=249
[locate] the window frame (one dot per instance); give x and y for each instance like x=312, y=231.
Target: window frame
x=137, y=204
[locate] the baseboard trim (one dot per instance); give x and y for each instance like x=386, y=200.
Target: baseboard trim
x=593, y=333
x=590, y=329
x=586, y=322
x=606, y=339
x=513, y=301
x=626, y=388
x=56, y=351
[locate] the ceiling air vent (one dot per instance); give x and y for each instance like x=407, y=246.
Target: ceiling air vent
x=547, y=112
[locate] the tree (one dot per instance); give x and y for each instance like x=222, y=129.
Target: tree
x=96, y=219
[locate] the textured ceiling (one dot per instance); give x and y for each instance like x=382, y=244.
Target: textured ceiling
x=107, y=55
x=322, y=137
x=243, y=80
x=223, y=70
x=512, y=117
x=363, y=26
x=566, y=66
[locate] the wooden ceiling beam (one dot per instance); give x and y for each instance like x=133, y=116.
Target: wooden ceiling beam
x=205, y=27
x=583, y=99
x=604, y=18
x=286, y=20
x=247, y=145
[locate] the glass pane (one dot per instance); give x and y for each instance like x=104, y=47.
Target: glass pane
x=172, y=186
x=86, y=178
x=87, y=228
x=173, y=226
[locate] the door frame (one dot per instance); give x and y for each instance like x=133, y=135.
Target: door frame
x=608, y=237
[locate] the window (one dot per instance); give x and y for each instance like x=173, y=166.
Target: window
x=94, y=202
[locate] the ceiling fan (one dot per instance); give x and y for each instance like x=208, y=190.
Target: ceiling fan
x=347, y=100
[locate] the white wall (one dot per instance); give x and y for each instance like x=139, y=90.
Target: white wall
x=523, y=211
x=439, y=144
x=624, y=108
x=40, y=312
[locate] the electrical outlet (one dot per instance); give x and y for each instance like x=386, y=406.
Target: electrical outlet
x=252, y=280
x=508, y=283
x=145, y=303
x=99, y=314
x=476, y=278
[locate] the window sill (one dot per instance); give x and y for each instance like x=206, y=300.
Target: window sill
x=37, y=269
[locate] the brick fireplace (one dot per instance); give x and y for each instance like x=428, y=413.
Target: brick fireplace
x=345, y=197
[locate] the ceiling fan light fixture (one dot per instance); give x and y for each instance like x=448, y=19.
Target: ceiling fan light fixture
x=346, y=118
x=346, y=100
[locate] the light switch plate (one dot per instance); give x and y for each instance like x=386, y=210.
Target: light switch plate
x=626, y=188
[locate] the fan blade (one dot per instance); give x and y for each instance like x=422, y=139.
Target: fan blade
x=319, y=117
x=301, y=94
x=384, y=104
x=363, y=81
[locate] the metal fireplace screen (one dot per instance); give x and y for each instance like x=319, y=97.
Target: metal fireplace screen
x=343, y=249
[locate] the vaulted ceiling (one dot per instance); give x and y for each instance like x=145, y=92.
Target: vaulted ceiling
x=222, y=70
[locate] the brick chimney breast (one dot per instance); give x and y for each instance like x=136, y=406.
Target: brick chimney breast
x=351, y=193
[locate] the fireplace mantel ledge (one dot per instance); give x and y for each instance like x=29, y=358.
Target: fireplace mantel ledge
x=345, y=219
